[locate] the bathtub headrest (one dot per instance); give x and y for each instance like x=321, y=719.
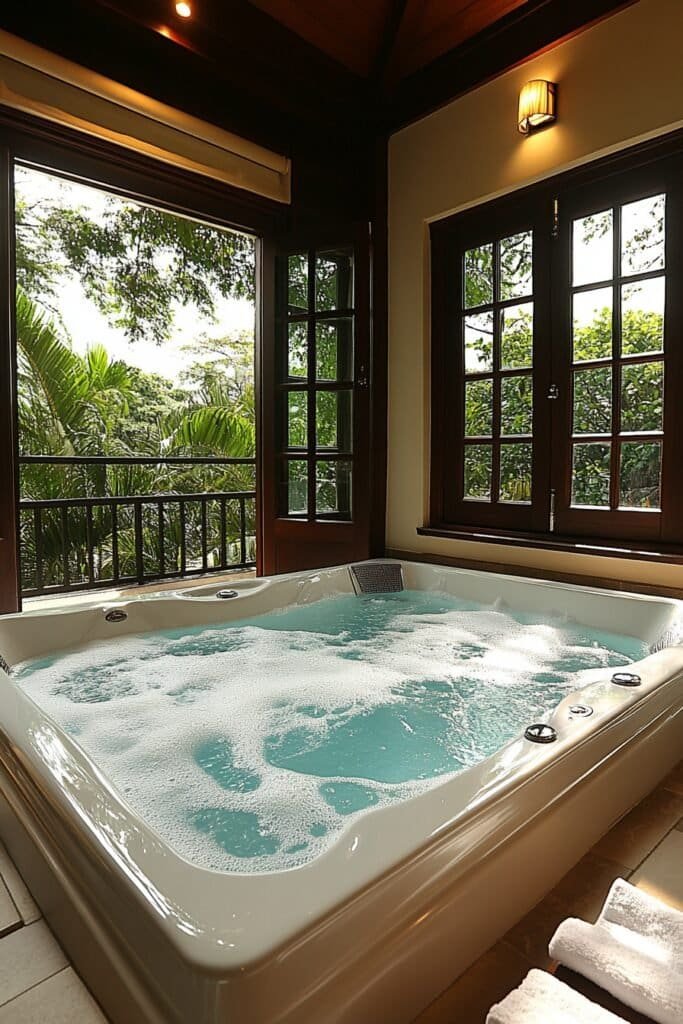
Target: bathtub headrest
x=377, y=577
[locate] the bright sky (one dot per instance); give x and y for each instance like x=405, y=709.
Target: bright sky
x=87, y=326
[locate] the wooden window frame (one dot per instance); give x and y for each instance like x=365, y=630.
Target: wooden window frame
x=549, y=209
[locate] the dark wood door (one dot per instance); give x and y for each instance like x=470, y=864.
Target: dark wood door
x=314, y=374
x=9, y=580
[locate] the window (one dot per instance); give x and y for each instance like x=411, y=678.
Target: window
x=557, y=393
x=316, y=387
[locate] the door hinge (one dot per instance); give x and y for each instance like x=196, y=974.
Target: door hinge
x=556, y=218
x=551, y=524
x=553, y=392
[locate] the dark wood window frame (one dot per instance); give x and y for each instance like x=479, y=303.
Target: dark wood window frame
x=549, y=209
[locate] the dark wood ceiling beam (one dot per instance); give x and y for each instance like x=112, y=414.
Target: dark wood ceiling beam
x=387, y=44
x=524, y=32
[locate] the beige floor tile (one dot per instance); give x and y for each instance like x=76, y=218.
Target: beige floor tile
x=637, y=834
x=487, y=981
x=23, y=900
x=581, y=893
x=674, y=781
x=9, y=915
x=62, y=999
x=27, y=957
x=661, y=874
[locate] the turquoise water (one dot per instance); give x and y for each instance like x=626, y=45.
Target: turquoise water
x=250, y=745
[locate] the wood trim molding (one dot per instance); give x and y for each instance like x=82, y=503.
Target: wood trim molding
x=527, y=572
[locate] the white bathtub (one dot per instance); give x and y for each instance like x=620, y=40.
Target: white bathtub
x=408, y=896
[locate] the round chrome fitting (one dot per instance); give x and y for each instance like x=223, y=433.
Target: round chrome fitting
x=580, y=710
x=626, y=679
x=116, y=615
x=225, y=594
x=539, y=732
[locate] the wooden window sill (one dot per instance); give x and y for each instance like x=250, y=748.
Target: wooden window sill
x=642, y=552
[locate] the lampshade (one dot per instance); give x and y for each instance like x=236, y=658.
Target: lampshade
x=536, y=105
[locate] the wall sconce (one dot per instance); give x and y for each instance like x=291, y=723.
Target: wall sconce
x=537, y=105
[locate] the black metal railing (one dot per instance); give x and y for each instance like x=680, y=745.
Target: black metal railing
x=90, y=541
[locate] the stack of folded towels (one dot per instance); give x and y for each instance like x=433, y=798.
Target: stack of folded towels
x=634, y=951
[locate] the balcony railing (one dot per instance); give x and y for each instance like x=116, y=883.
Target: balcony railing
x=109, y=540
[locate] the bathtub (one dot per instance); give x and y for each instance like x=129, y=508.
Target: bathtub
x=408, y=896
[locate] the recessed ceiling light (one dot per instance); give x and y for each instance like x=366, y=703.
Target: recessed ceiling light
x=183, y=9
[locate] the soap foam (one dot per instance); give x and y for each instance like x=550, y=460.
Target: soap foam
x=249, y=746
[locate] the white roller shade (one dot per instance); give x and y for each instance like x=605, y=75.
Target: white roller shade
x=39, y=82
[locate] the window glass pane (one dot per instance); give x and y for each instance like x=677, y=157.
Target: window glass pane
x=517, y=336
x=334, y=279
x=297, y=419
x=592, y=325
x=516, y=277
x=516, y=405
x=642, y=235
x=333, y=419
x=515, y=472
x=479, y=276
x=297, y=487
x=642, y=388
x=334, y=349
x=591, y=475
x=639, y=475
x=297, y=350
x=333, y=488
x=593, y=401
x=592, y=248
x=478, y=408
x=478, y=342
x=478, y=468
x=642, y=317
x=297, y=283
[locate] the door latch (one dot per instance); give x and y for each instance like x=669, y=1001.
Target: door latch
x=362, y=379
x=553, y=392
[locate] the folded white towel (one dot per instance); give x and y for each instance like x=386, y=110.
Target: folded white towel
x=542, y=999
x=634, y=951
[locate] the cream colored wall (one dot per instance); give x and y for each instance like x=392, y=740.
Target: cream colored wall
x=619, y=82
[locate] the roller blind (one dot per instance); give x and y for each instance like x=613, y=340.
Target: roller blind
x=41, y=83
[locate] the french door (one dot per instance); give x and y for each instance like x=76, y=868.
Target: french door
x=315, y=376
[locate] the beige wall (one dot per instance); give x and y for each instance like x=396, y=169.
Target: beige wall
x=619, y=82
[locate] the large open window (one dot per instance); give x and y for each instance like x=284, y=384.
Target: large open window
x=557, y=391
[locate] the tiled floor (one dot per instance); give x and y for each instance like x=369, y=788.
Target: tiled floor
x=38, y=986
x=645, y=847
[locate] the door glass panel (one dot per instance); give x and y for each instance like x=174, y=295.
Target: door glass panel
x=297, y=283
x=334, y=349
x=297, y=419
x=516, y=265
x=333, y=487
x=297, y=349
x=478, y=342
x=639, y=475
x=333, y=280
x=642, y=235
x=333, y=419
x=642, y=316
x=479, y=276
x=591, y=474
x=592, y=325
x=516, y=405
x=593, y=401
x=515, y=472
x=642, y=394
x=592, y=253
x=478, y=408
x=297, y=487
x=517, y=336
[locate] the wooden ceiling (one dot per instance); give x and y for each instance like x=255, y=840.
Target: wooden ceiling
x=389, y=38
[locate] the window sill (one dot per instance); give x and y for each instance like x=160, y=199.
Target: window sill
x=642, y=552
